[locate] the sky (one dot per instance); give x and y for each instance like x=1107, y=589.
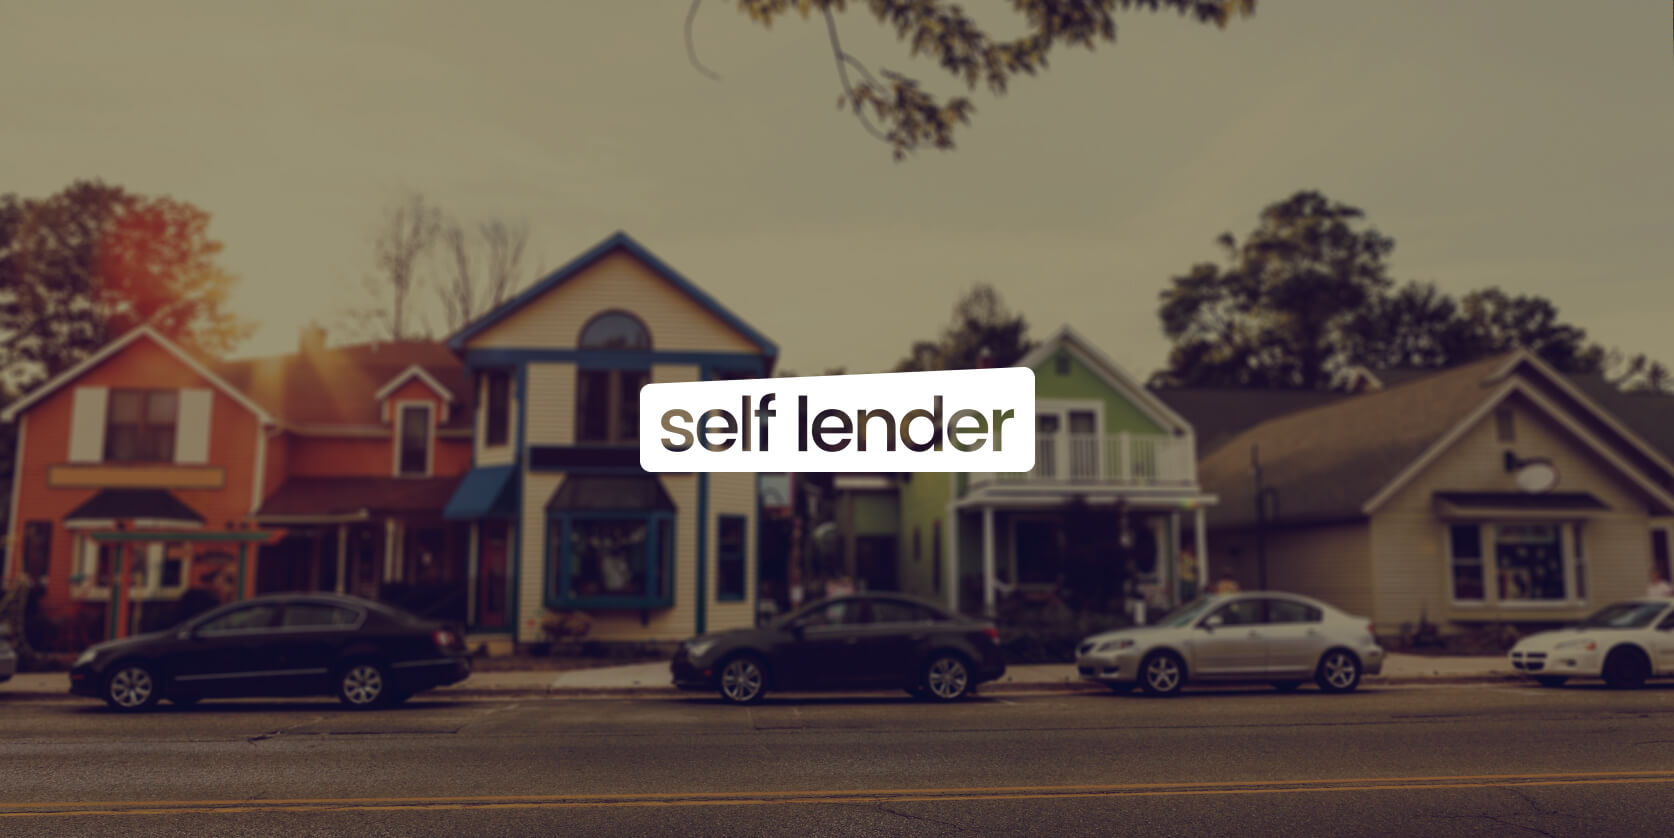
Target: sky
x=1518, y=143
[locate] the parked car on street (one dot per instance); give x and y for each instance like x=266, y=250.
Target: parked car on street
x=1624, y=643
x=8, y=654
x=1278, y=638
x=861, y=641
x=366, y=653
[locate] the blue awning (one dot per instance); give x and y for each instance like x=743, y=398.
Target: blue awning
x=486, y=492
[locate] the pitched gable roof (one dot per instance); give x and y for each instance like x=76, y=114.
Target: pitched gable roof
x=1343, y=459
x=414, y=371
x=1218, y=414
x=1141, y=397
x=339, y=385
x=110, y=350
x=617, y=241
x=1327, y=461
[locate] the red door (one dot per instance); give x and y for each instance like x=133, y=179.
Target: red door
x=491, y=575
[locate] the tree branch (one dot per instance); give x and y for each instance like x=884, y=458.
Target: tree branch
x=691, y=46
x=844, y=61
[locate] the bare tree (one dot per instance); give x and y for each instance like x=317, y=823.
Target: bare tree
x=479, y=272
x=410, y=230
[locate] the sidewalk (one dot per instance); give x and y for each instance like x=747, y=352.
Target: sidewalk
x=647, y=679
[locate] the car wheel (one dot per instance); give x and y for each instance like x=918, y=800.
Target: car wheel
x=1162, y=673
x=743, y=679
x=1551, y=680
x=130, y=687
x=185, y=700
x=1286, y=686
x=947, y=678
x=1339, y=672
x=1626, y=669
x=363, y=684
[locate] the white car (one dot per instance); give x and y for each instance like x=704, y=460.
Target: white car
x=1624, y=643
x=1278, y=638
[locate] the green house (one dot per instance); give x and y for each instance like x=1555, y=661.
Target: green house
x=1115, y=473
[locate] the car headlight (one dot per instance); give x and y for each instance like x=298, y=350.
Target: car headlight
x=1114, y=645
x=696, y=648
x=1582, y=644
x=86, y=658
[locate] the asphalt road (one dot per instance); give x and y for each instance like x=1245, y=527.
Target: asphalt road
x=1443, y=760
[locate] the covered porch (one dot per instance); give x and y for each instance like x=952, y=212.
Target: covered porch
x=1129, y=553
x=383, y=539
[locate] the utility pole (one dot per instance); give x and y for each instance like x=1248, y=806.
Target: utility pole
x=1262, y=493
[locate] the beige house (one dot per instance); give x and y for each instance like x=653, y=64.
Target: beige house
x=1497, y=492
x=563, y=521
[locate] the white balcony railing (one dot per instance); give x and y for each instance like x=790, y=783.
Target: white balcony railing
x=1119, y=459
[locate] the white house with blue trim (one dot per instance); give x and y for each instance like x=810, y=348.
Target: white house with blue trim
x=563, y=519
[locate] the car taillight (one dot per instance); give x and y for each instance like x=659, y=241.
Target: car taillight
x=1371, y=629
x=444, y=639
x=992, y=633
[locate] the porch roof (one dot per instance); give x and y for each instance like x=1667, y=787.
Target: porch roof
x=349, y=498
x=486, y=492
x=155, y=507
x=610, y=493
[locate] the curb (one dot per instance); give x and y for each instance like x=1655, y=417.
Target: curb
x=469, y=693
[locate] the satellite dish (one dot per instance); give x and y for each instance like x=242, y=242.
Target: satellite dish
x=1537, y=477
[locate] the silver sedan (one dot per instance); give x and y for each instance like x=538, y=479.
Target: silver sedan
x=1278, y=638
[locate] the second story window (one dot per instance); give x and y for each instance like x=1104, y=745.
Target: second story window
x=498, y=431
x=140, y=426
x=413, y=458
x=607, y=399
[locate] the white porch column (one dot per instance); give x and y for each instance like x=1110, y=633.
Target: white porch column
x=1201, y=545
x=1174, y=546
x=342, y=558
x=988, y=560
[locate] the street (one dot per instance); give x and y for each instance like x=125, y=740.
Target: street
x=1458, y=760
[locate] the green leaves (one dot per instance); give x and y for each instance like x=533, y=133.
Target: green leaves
x=900, y=112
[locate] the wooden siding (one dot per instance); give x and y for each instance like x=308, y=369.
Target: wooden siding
x=551, y=414
x=616, y=281
x=1410, y=555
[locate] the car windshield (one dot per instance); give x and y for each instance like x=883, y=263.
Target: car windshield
x=1185, y=614
x=1624, y=615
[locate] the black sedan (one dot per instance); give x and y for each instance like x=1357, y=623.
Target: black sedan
x=865, y=641
x=366, y=653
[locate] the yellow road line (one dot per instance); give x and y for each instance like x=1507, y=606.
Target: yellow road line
x=809, y=797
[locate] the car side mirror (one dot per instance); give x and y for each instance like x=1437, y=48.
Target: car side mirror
x=1213, y=622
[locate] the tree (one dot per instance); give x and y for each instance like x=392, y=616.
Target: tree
x=982, y=332
x=1276, y=314
x=85, y=265
x=894, y=108
x=480, y=271
x=1307, y=297
x=470, y=268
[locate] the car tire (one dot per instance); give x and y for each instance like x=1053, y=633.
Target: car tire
x=947, y=677
x=363, y=685
x=1551, y=680
x=742, y=679
x=185, y=701
x=1162, y=674
x=1626, y=669
x=1338, y=671
x=131, y=686
x=1286, y=686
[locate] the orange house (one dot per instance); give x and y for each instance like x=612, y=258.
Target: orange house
x=198, y=481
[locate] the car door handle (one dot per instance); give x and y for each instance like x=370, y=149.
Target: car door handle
x=1255, y=634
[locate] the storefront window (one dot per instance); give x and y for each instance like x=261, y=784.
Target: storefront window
x=1529, y=559
x=1465, y=541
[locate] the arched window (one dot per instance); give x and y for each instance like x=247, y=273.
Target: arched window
x=615, y=330
x=607, y=398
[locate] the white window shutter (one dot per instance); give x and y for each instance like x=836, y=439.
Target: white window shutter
x=87, y=425
x=191, y=428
